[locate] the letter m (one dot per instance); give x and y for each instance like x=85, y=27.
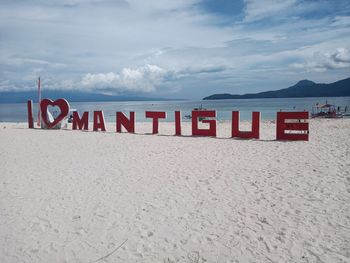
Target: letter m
x=80, y=123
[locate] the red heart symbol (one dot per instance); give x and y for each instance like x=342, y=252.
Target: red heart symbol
x=61, y=103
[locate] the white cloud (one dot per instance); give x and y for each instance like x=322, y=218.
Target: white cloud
x=341, y=21
x=322, y=62
x=341, y=55
x=258, y=9
x=142, y=79
x=34, y=62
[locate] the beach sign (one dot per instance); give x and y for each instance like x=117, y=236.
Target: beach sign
x=290, y=126
x=62, y=104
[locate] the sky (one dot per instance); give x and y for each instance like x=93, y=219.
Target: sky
x=184, y=49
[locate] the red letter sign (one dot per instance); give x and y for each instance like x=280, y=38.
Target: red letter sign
x=64, y=108
x=283, y=126
x=128, y=124
x=99, y=121
x=253, y=134
x=212, y=123
x=30, y=114
x=177, y=122
x=81, y=123
x=155, y=115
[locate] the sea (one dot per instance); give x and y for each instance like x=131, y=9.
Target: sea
x=17, y=112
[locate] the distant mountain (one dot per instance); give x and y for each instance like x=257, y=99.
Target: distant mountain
x=71, y=96
x=304, y=82
x=304, y=88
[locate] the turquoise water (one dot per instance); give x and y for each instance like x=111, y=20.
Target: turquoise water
x=268, y=107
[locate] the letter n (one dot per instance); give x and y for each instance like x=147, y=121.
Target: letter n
x=128, y=124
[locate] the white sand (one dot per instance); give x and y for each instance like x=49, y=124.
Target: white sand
x=72, y=196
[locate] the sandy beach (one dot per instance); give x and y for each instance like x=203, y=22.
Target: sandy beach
x=73, y=196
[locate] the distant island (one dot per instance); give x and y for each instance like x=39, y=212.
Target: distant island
x=71, y=96
x=304, y=88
